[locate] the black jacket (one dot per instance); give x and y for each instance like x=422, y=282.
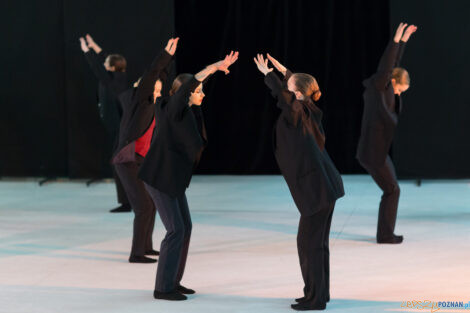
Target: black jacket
x=309, y=172
x=139, y=109
x=381, y=108
x=177, y=143
x=111, y=84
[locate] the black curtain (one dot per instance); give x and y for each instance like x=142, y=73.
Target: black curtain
x=431, y=137
x=33, y=135
x=138, y=31
x=339, y=42
x=49, y=123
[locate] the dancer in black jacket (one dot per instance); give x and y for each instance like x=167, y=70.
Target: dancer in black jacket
x=175, y=151
x=313, y=180
x=135, y=135
x=111, y=73
x=382, y=104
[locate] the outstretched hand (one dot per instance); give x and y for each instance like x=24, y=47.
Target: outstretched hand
x=83, y=45
x=172, y=45
x=90, y=41
x=262, y=64
x=92, y=44
x=224, y=64
x=281, y=68
x=399, y=32
x=408, y=32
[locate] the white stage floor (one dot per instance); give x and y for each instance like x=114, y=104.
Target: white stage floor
x=61, y=251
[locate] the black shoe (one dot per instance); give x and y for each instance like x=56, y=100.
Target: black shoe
x=298, y=300
x=152, y=252
x=307, y=307
x=394, y=240
x=185, y=290
x=172, y=295
x=121, y=209
x=141, y=259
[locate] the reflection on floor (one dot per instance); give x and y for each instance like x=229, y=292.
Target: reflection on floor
x=61, y=251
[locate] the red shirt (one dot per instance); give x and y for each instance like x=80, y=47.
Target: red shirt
x=142, y=145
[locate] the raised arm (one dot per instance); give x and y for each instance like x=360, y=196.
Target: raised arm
x=404, y=39
x=96, y=66
x=155, y=72
x=278, y=88
x=180, y=100
x=392, y=55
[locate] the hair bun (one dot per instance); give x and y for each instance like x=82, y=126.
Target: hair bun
x=316, y=95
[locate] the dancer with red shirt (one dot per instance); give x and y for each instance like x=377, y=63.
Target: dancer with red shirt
x=135, y=135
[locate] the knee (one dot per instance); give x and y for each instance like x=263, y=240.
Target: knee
x=394, y=190
x=187, y=230
x=177, y=233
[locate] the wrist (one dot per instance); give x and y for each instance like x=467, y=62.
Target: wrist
x=212, y=68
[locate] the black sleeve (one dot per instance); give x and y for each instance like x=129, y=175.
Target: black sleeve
x=180, y=100
x=97, y=67
x=102, y=56
x=155, y=72
x=279, y=90
x=401, y=49
x=386, y=65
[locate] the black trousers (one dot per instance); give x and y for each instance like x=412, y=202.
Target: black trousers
x=120, y=190
x=111, y=145
x=174, y=213
x=385, y=177
x=313, y=246
x=142, y=205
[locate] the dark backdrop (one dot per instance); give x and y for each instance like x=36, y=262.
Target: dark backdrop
x=339, y=42
x=431, y=139
x=49, y=122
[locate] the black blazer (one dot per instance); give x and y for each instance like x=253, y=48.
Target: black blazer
x=139, y=109
x=381, y=108
x=312, y=178
x=111, y=84
x=177, y=143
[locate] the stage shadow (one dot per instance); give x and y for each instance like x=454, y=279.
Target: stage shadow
x=74, y=300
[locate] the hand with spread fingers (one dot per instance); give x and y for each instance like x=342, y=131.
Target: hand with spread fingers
x=224, y=64
x=262, y=64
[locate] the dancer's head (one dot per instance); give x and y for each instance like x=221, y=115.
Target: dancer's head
x=115, y=63
x=304, y=86
x=157, y=89
x=196, y=97
x=400, y=80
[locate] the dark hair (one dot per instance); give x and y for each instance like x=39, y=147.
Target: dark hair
x=118, y=61
x=401, y=76
x=180, y=80
x=308, y=87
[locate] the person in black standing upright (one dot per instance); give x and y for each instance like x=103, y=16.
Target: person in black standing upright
x=135, y=134
x=111, y=73
x=314, y=182
x=174, y=153
x=382, y=104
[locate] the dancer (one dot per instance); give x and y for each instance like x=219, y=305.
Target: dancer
x=167, y=169
x=382, y=104
x=313, y=180
x=112, y=82
x=135, y=135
